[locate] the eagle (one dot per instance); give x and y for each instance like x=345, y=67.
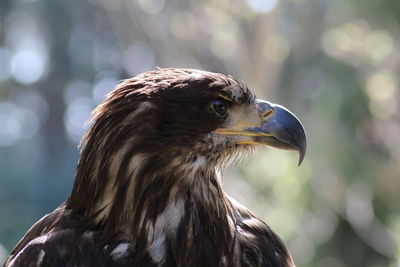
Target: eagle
x=148, y=185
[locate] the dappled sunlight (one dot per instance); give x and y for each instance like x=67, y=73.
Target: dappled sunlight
x=356, y=43
x=382, y=90
x=335, y=64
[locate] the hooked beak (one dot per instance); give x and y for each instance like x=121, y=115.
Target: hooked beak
x=278, y=128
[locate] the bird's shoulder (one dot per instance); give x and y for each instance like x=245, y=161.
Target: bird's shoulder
x=68, y=248
x=50, y=242
x=259, y=245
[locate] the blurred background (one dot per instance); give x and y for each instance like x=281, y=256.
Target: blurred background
x=333, y=63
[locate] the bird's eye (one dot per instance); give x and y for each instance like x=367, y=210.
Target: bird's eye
x=220, y=108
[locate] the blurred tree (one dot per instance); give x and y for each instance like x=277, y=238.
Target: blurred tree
x=334, y=62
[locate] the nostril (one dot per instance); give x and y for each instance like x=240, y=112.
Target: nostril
x=265, y=109
x=267, y=113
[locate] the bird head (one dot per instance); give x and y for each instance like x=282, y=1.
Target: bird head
x=192, y=112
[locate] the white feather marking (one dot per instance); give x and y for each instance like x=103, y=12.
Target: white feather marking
x=218, y=174
x=245, y=234
x=37, y=241
x=196, y=76
x=120, y=250
x=173, y=215
x=88, y=235
x=136, y=162
x=168, y=220
x=223, y=260
x=165, y=225
x=199, y=162
x=40, y=257
x=252, y=222
x=157, y=249
x=232, y=226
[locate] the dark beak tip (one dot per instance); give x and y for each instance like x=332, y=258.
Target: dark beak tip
x=301, y=157
x=302, y=148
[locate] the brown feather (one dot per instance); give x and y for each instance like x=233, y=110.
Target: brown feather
x=147, y=177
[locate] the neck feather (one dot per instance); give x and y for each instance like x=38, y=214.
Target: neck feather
x=151, y=199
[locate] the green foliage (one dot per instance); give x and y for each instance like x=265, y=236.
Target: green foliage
x=334, y=63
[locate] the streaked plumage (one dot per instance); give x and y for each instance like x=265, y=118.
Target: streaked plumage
x=147, y=190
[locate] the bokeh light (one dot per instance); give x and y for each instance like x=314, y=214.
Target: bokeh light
x=262, y=6
x=76, y=115
x=335, y=64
